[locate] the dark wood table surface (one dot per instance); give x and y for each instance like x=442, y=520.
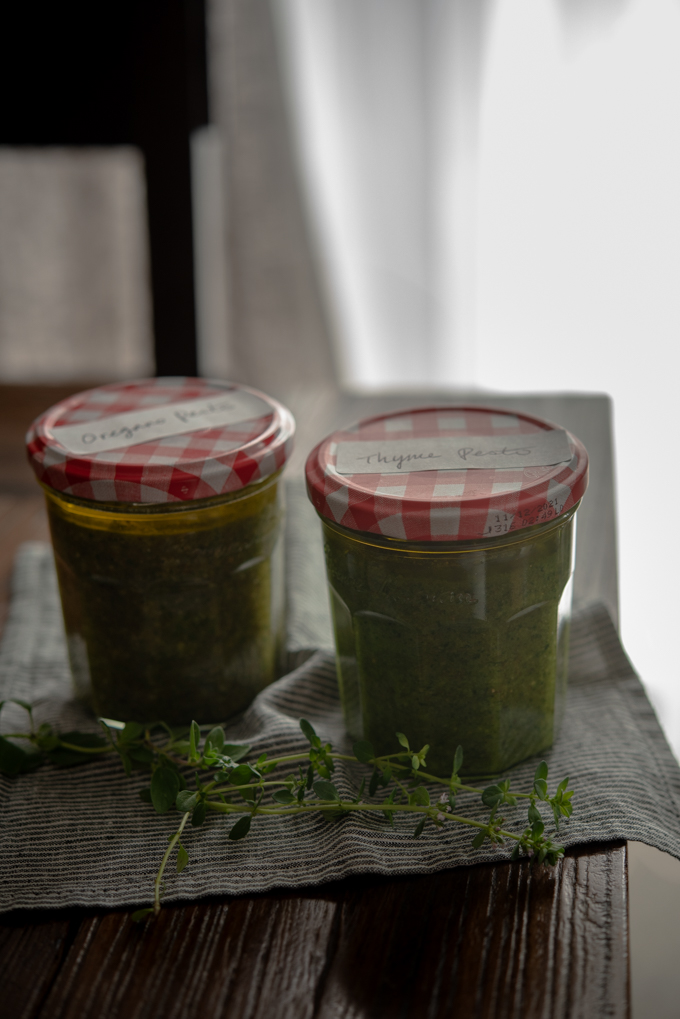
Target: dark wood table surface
x=504, y=941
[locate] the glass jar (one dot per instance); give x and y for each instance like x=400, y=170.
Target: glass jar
x=451, y=589
x=173, y=601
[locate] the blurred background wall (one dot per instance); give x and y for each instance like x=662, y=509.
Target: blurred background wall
x=74, y=290
x=491, y=192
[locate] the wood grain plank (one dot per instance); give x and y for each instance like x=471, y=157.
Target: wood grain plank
x=486, y=942
x=32, y=948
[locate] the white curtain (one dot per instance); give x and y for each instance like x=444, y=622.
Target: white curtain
x=494, y=188
x=386, y=96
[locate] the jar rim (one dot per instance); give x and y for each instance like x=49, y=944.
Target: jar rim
x=201, y=438
x=452, y=504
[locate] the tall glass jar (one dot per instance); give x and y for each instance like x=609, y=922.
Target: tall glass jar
x=450, y=588
x=168, y=549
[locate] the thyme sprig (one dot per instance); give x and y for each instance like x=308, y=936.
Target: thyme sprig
x=197, y=775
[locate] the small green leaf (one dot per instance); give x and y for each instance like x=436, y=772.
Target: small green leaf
x=186, y=800
x=541, y=788
x=402, y=739
x=240, y=829
x=283, y=796
x=131, y=731
x=478, y=839
x=145, y=795
x=419, y=829
x=198, y=816
x=235, y=750
x=541, y=771
x=537, y=829
x=542, y=855
x=194, y=739
x=421, y=796
x=363, y=751
x=182, y=746
x=534, y=813
x=326, y=790
x=457, y=760
x=215, y=738
x=141, y=914
x=242, y=775
x=514, y=855
x=309, y=732
x=182, y=858
x=415, y=762
x=164, y=789
x=386, y=776
x=492, y=796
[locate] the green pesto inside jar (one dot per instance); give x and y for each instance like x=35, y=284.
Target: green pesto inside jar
x=172, y=611
x=463, y=644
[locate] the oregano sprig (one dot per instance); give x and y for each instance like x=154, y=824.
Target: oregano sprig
x=200, y=776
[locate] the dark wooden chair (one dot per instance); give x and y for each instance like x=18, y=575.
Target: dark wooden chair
x=128, y=73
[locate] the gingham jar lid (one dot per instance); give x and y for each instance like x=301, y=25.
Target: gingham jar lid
x=539, y=471
x=160, y=440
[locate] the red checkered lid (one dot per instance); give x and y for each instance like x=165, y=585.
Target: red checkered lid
x=160, y=440
x=436, y=482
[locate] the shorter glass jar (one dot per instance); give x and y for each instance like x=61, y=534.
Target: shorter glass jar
x=450, y=590
x=173, y=609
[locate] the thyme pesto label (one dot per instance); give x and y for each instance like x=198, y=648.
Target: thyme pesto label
x=159, y=422
x=457, y=453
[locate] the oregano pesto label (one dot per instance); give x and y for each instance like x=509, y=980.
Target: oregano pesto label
x=457, y=453
x=162, y=421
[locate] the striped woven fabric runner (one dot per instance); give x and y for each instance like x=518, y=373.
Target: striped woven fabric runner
x=81, y=836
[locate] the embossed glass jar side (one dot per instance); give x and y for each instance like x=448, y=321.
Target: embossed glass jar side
x=173, y=611
x=464, y=644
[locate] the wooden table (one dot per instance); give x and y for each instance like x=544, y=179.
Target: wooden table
x=504, y=941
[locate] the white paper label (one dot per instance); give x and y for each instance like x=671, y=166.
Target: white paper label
x=460, y=453
x=149, y=423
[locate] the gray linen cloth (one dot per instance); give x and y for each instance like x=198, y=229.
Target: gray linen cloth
x=81, y=836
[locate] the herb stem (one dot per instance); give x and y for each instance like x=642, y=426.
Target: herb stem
x=85, y=750
x=340, y=805
x=159, y=876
